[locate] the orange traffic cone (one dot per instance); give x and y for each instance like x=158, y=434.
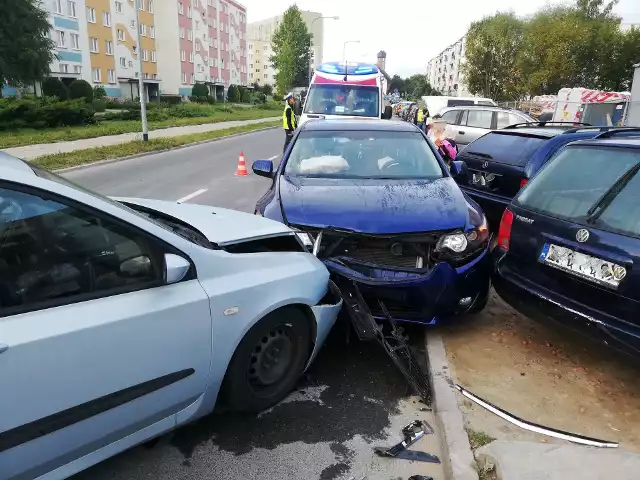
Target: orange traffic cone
x=242, y=166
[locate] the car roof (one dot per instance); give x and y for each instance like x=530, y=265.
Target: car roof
x=482, y=107
x=331, y=125
x=14, y=164
x=627, y=142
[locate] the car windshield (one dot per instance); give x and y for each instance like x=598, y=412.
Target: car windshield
x=353, y=100
x=359, y=154
x=572, y=183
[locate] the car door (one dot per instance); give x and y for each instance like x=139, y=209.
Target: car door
x=94, y=345
x=475, y=123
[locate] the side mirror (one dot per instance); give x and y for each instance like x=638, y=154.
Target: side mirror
x=175, y=268
x=459, y=170
x=136, y=266
x=388, y=112
x=263, y=168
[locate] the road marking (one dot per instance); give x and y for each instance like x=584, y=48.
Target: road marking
x=191, y=195
x=274, y=157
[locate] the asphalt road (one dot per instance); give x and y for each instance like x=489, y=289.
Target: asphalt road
x=351, y=399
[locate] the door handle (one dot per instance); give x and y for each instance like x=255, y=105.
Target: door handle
x=3, y=347
x=460, y=132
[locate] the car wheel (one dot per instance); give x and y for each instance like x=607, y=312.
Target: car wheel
x=268, y=361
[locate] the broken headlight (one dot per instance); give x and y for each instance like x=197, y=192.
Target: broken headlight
x=460, y=245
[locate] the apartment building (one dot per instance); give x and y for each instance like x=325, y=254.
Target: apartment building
x=202, y=41
x=444, y=71
x=260, y=34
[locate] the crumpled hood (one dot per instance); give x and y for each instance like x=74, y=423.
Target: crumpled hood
x=220, y=225
x=374, y=206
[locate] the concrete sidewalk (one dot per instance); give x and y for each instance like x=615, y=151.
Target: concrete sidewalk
x=29, y=152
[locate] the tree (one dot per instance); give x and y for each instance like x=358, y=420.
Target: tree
x=417, y=86
x=267, y=89
x=233, y=93
x=26, y=51
x=99, y=92
x=200, y=90
x=493, y=45
x=53, y=87
x=81, y=89
x=291, y=45
x=396, y=83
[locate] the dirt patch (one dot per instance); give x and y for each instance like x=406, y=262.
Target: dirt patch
x=545, y=375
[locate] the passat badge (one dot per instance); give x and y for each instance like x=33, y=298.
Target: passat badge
x=582, y=235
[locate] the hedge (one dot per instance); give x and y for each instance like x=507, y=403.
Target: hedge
x=44, y=112
x=81, y=89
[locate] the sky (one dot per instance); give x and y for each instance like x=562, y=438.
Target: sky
x=410, y=31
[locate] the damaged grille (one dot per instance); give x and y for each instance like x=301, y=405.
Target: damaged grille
x=401, y=251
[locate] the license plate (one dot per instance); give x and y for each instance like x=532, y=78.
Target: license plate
x=585, y=266
x=483, y=179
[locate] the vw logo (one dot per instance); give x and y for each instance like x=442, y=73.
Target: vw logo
x=485, y=164
x=582, y=235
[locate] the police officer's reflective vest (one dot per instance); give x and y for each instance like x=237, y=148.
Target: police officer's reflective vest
x=420, y=116
x=285, y=124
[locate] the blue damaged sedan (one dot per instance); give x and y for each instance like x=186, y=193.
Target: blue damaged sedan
x=121, y=320
x=374, y=200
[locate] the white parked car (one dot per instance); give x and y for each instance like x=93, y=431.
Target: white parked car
x=121, y=320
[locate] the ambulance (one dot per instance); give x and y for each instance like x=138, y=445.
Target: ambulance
x=354, y=90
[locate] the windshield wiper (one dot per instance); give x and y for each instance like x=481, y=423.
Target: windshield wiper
x=612, y=192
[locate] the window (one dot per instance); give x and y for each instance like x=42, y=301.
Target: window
x=191, y=56
x=119, y=7
x=189, y=13
x=108, y=45
x=480, y=118
x=97, y=75
x=112, y=76
x=141, y=5
x=75, y=41
x=71, y=8
x=145, y=55
x=152, y=31
x=257, y=70
x=184, y=78
x=106, y=19
x=505, y=119
x=143, y=30
x=62, y=40
x=197, y=46
x=77, y=69
x=193, y=79
x=266, y=76
x=451, y=117
x=190, y=35
x=150, y=5
x=265, y=48
x=121, y=35
x=334, y=100
x=559, y=192
x=153, y=56
x=181, y=12
x=57, y=6
x=91, y=15
x=93, y=45
x=507, y=148
x=183, y=55
x=181, y=32
x=123, y=62
x=64, y=68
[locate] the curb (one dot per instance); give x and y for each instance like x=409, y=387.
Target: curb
x=455, y=442
x=154, y=152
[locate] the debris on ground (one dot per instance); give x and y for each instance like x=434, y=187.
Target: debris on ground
x=533, y=427
x=411, y=433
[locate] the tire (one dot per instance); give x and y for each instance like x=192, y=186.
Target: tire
x=283, y=335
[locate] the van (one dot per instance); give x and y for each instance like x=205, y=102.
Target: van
x=436, y=103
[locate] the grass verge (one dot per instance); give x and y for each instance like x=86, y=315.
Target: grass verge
x=81, y=157
x=478, y=439
x=116, y=127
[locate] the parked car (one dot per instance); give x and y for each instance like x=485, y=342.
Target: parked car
x=375, y=201
x=471, y=122
x=122, y=319
x=568, y=247
x=437, y=103
x=498, y=164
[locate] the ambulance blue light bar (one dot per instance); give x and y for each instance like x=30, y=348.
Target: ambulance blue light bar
x=338, y=68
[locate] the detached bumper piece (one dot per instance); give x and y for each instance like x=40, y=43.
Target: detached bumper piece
x=411, y=433
x=534, y=427
x=390, y=336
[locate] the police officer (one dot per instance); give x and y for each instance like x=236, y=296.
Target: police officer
x=289, y=122
x=420, y=118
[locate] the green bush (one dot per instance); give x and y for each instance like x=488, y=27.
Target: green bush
x=246, y=97
x=171, y=99
x=81, y=89
x=99, y=105
x=233, y=93
x=48, y=112
x=99, y=92
x=200, y=90
x=53, y=87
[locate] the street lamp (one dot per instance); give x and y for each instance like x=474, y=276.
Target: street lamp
x=141, y=93
x=311, y=28
x=344, y=51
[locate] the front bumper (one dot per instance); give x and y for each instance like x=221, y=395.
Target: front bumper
x=325, y=313
x=414, y=296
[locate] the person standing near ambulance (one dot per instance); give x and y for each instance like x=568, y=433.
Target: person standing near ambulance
x=289, y=122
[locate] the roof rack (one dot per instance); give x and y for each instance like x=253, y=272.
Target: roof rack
x=612, y=131
x=545, y=124
x=579, y=129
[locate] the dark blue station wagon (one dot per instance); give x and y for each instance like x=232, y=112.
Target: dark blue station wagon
x=569, y=245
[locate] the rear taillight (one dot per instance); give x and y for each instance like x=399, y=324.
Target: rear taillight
x=523, y=182
x=504, y=232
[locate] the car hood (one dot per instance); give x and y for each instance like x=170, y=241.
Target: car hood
x=220, y=225
x=374, y=206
